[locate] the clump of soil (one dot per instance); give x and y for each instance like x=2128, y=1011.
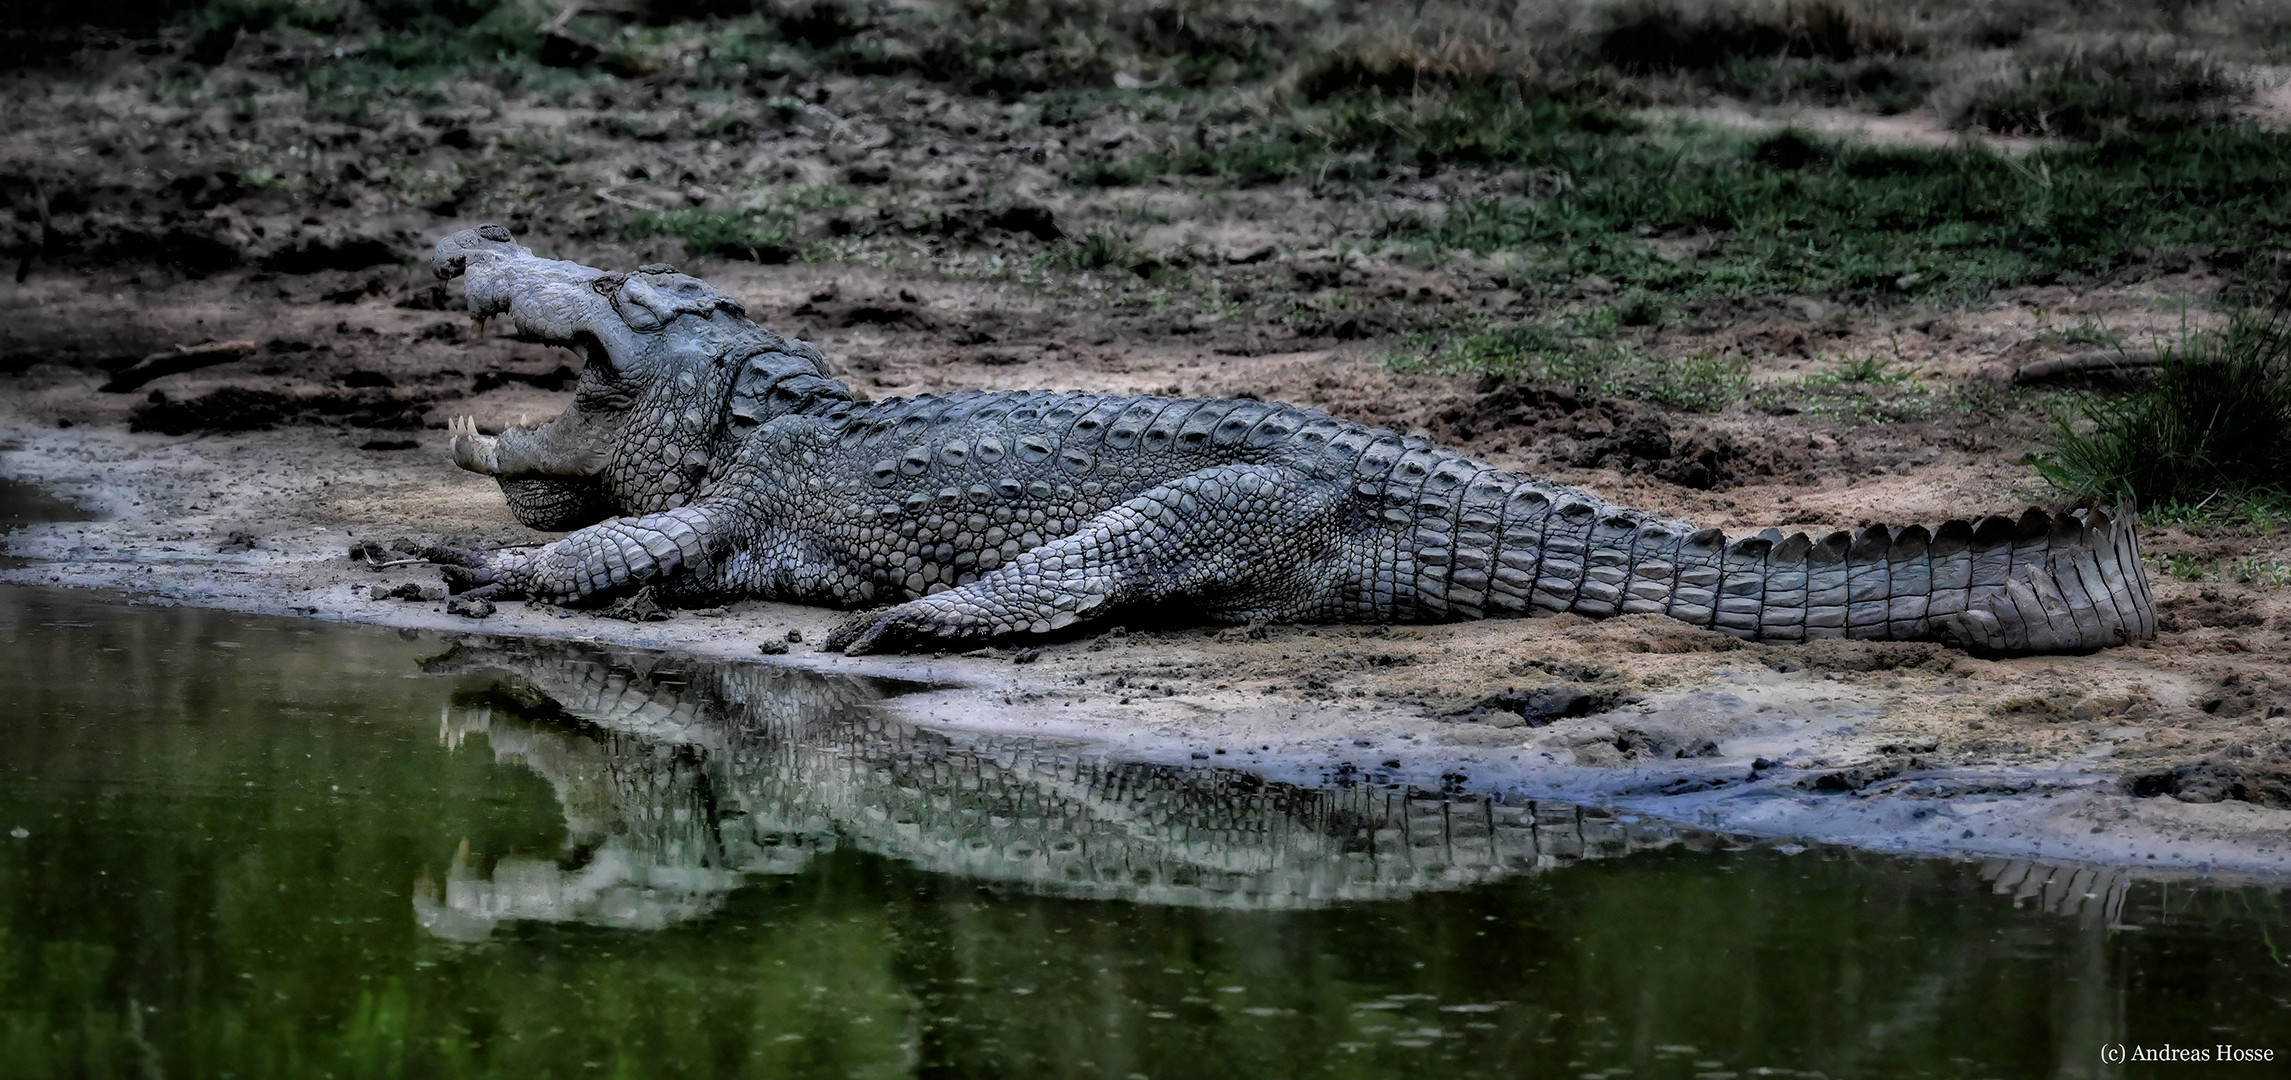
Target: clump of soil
x=2240, y=693
x=1590, y=432
x=1540, y=706
x=2240, y=774
x=1717, y=461
x=1508, y=413
x=2209, y=607
x=560, y=378
x=238, y=408
x=1859, y=656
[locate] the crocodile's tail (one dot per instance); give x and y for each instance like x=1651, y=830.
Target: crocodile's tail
x=2043, y=583
x=2075, y=582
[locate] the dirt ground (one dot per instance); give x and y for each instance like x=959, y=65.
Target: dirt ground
x=246, y=484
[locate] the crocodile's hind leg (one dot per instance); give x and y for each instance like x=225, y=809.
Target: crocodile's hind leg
x=1232, y=541
x=605, y=559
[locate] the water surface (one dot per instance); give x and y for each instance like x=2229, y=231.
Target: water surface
x=236, y=846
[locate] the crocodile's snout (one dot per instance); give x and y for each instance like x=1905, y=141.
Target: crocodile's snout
x=452, y=255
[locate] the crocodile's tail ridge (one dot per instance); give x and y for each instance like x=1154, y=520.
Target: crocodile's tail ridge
x=2071, y=582
x=2040, y=583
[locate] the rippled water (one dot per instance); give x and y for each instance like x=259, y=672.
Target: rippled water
x=234, y=846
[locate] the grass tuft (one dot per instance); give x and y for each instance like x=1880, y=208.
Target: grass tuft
x=713, y=234
x=1581, y=354
x=2214, y=427
x=2096, y=93
x=1399, y=67
x=1667, y=35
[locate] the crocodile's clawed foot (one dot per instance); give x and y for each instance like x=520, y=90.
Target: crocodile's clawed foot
x=905, y=628
x=846, y=637
x=472, y=450
x=476, y=572
x=463, y=581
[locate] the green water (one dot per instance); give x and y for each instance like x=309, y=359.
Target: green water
x=234, y=846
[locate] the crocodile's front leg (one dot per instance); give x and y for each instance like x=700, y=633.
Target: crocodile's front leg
x=1233, y=542
x=605, y=559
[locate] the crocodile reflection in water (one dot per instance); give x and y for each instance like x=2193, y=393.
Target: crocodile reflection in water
x=680, y=779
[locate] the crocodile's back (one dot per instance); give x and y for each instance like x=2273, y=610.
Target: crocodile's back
x=927, y=493
x=907, y=498
x=917, y=495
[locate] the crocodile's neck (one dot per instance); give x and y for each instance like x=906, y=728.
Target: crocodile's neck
x=788, y=379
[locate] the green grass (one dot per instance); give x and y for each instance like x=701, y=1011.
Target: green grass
x=1270, y=93
x=1581, y=353
x=773, y=224
x=710, y=234
x=2211, y=432
x=1866, y=369
x=1885, y=85
x=2246, y=571
x=1101, y=249
x=362, y=63
x=1785, y=215
x=2095, y=93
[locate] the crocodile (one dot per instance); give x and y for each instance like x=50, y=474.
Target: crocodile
x=709, y=459
x=680, y=780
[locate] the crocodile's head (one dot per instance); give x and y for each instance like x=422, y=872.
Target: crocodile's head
x=672, y=372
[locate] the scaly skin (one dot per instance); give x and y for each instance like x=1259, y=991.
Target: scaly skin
x=743, y=470
x=675, y=788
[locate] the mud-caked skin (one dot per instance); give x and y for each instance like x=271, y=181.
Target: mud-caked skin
x=716, y=460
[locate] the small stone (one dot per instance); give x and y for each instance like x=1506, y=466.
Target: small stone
x=772, y=648
x=422, y=592
x=470, y=607
x=19, y=832
x=795, y=637
x=643, y=606
x=1025, y=656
